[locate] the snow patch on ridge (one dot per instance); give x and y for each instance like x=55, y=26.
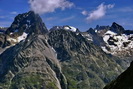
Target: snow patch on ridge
x=110, y=33
x=88, y=36
x=73, y=29
x=117, y=42
x=18, y=39
x=54, y=52
x=70, y=28
x=22, y=37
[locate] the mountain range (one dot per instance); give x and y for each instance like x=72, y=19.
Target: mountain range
x=33, y=57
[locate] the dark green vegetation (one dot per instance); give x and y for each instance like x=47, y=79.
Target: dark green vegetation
x=58, y=59
x=124, y=81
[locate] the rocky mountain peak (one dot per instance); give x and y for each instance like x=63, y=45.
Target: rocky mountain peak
x=91, y=31
x=117, y=28
x=102, y=27
x=97, y=26
x=27, y=22
x=113, y=39
x=23, y=26
x=31, y=61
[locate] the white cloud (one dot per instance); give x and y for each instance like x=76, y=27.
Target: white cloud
x=14, y=13
x=46, y=6
x=84, y=12
x=98, y=13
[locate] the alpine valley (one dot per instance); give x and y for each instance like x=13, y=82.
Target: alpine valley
x=33, y=57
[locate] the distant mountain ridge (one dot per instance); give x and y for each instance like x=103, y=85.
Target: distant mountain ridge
x=114, y=40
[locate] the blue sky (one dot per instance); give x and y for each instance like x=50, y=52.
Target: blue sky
x=96, y=12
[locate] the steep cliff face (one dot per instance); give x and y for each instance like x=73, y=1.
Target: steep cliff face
x=124, y=81
x=31, y=63
x=27, y=22
x=85, y=65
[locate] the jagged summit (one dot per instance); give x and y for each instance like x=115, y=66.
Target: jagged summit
x=101, y=27
x=27, y=22
x=24, y=25
x=117, y=28
x=113, y=39
x=91, y=31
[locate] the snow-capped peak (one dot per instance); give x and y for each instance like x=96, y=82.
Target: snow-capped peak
x=117, y=42
x=114, y=40
x=110, y=33
x=71, y=28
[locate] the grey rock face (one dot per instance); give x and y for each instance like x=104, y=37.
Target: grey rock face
x=59, y=59
x=117, y=28
x=28, y=22
x=84, y=65
x=31, y=64
x=32, y=59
